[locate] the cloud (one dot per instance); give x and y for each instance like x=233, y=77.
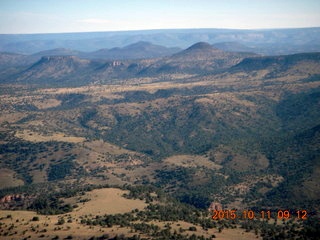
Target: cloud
x=95, y=21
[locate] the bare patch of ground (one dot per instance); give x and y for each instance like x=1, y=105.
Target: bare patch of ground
x=24, y=224
x=107, y=201
x=37, y=137
x=104, y=147
x=47, y=103
x=28, y=224
x=191, y=161
x=11, y=117
x=237, y=233
x=8, y=178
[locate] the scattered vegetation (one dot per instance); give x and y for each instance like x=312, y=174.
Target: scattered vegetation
x=256, y=126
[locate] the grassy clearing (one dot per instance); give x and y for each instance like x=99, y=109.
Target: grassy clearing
x=46, y=227
x=8, y=179
x=106, y=201
x=37, y=137
x=11, y=117
x=20, y=224
x=191, y=161
x=102, y=201
x=47, y=103
x=28, y=224
x=105, y=147
x=239, y=234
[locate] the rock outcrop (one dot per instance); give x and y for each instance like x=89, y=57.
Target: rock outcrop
x=215, y=206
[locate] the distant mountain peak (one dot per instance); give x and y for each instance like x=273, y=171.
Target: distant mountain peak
x=55, y=67
x=49, y=63
x=138, y=50
x=200, y=51
x=139, y=45
x=200, y=46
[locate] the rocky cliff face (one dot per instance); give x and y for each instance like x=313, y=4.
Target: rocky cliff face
x=15, y=201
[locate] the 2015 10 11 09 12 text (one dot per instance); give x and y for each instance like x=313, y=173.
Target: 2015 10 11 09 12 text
x=263, y=214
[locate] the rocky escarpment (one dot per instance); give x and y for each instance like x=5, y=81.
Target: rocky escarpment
x=16, y=201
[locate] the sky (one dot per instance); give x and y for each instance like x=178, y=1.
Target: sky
x=56, y=16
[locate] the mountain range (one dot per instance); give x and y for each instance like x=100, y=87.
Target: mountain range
x=67, y=64
x=58, y=66
x=138, y=50
x=267, y=42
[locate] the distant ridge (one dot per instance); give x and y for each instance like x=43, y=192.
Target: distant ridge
x=141, y=45
x=13, y=59
x=233, y=47
x=58, y=52
x=266, y=42
x=284, y=61
x=199, y=46
x=198, y=58
x=138, y=50
x=199, y=51
x=55, y=67
x=68, y=60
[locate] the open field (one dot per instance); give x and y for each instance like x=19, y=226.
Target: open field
x=59, y=137
x=191, y=161
x=22, y=226
x=98, y=202
x=8, y=178
x=106, y=201
x=29, y=224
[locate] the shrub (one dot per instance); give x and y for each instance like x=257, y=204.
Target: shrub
x=192, y=228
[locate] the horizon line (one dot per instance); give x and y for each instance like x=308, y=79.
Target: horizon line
x=163, y=29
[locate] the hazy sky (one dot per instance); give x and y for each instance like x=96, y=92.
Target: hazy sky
x=48, y=16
